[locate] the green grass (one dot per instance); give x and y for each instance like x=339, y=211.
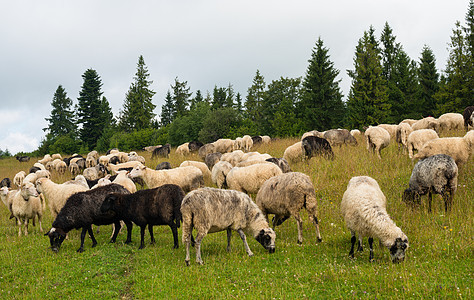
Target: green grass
x=439, y=262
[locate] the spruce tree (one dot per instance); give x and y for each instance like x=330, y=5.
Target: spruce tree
x=137, y=112
x=255, y=94
x=167, y=110
x=196, y=100
x=219, y=97
x=61, y=121
x=321, y=106
x=180, y=97
x=428, y=79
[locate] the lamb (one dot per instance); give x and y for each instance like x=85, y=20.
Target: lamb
x=57, y=194
x=459, y=148
x=468, y=116
x=294, y=152
x=219, y=173
x=435, y=174
x=158, y=206
x=247, y=143
x=96, y=172
x=212, y=210
x=313, y=146
x=281, y=163
x=206, y=173
x=403, y=131
x=163, y=151
x=418, y=138
x=19, y=177
x=285, y=195
x=188, y=178
x=363, y=207
x=81, y=211
x=163, y=166
x=451, y=121
x=183, y=149
x=26, y=205
x=426, y=123
x=377, y=138
x=212, y=158
x=339, y=137
x=250, y=179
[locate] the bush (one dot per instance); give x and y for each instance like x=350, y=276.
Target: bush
x=217, y=124
x=138, y=139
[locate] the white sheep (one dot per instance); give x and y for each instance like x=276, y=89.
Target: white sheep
x=219, y=173
x=74, y=169
x=409, y=121
x=56, y=156
x=137, y=158
x=355, y=132
x=212, y=210
x=7, y=197
x=451, y=121
x=363, y=207
x=91, y=161
x=418, y=138
x=47, y=158
x=250, y=179
x=26, y=205
x=188, y=178
x=183, y=149
x=61, y=167
x=233, y=157
x=130, y=164
x=403, y=131
x=206, y=173
x=19, y=177
x=57, y=194
x=377, y=138
x=266, y=139
x=223, y=145
x=123, y=179
x=391, y=128
x=285, y=195
x=94, y=173
x=39, y=165
x=42, y=174
x=294, y=153
x=247, y=143
x=426, y=123
x=312, y=133
x=459, y=148
x=238, y=144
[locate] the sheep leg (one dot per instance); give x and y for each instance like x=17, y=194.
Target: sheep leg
x=359, y=246
x=353, y=241
x=26, y=226
x=316, y=225
x=229, y=236
x=83, y=236
x=174, y=230
x=371, y=247
x=299, y=223
x=116, y=231
x=448, y=200
x=198, y=241
x=129, y=232
x=91, y=234
x=244, y=240
x=142, y=237
x=39, y=221
x=152, y=237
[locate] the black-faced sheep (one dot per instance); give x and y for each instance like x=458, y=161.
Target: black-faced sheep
x=82, y=210
x=6, y=182
x=468, y=116
x=435, y=174
x=280, y=162
x=363, y=207
x=285, y=195
x=256, y=140
x=314, y=146
x=158, y=206
x=212, y=210
x=194, y=146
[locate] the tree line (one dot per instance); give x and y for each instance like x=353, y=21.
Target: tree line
x=387, y=86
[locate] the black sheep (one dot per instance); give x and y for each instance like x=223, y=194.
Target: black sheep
x=194, y=146
x=314, y=146
x=81, y=211
x=163, y=151
x=467, y=115
x=6, y=182
x=158, y=206
x=22, y=158
x=163, y=166
x=33, y=169
x=212, y=158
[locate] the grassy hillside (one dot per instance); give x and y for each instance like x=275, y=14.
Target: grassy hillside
x=439, y=262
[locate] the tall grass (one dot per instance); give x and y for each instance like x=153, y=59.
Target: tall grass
x=439, y=262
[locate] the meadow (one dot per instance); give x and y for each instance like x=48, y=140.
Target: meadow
x=439, y=262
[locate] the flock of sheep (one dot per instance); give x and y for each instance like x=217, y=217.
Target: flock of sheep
x=104, y=190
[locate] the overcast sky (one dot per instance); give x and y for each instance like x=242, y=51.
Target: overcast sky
x=44, y=44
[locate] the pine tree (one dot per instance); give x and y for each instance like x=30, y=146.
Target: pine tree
x=89, y=109
x=321, y=106
x=428, y=79
x=368, y=99
x=219, y=97
x=238, y=105
x=196, y=100
x=255, y=94
x=137, y=112
x=180, y=97
x=167, y=110
x=61, y=121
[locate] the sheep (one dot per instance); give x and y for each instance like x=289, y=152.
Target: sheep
x=39, y=165
x=61, y=167
x=377, y=138
x=7, y=197
x=42, y=174
x=468, y=116
x=138, y=158
x=163, y=166
x=205, y=150
x=435, y=174
x=255, y=155
x=355, y=132
x=212, y=210
x=151, y=148
x=74, y=169
x=281, y=163
x=285, y=195
x=409, y=121
x=451, y=121
x=47, y=158
x=391, y=128
x=163, y=151
x=194, y=146
x=250, y=179
x=26, y=205
x=96, y=172
x=183, y=149
x=206, y=173
x=123, y=179
x=80, y=180
x=123, y=166
x=266, y=139
x=233, y=157
x=418, y=138
x=81, y=210
x=158, y=206
x=223, y=145
x=237, y=144
x=256, y=140
x=363, y=207
x=426, y=123
x=312, y=133
x=31, y=178
x=459, y=148
x=188, y=178
x=294, y=152
x=6, y=182
x=219, y=173
x=91, y=161
x=212, y=158
x=247, y=143
x=338, y=137
x=403, y=131
x=313, y=146
x=56, y=194
x=19, y=177
x=23, y=158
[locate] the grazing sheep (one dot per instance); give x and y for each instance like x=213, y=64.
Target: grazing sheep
x=22, y=158
x=377, y=138
x=285, y=195
x=459, y=148
x=219, y=173
x=257, y=140
x=426, y=123
x=435, y=174
x=96, y=172
x=223, y=145
x=163, y=151
x=247, y=143
x=391, y=128
x=61, y=167
x=56, y=194
x=163, y=166
x=281, y=163
x=34, y=169
x=450, y=121
x=158, y=206
x=363, y=207
x=468, y=116
x=233, y=157
x=339, y=137
x=409, y=121
x=47, y=158
x=294, y=153
x=19, y=177
x=194, y=146
x=42, y=174
x=212, y=210
x=123, y=166
x=403, y=131
x=355, y=132
x=312, y=133
x=183, y=149
x=188, y=178
x=206, y=173
x=212, y=158
x=418, y=138
x=314, y=146
x=91, y=161
x=81, y=211
x=151, y=148
x=7, y=197
x=26, y=205
x=237, y=144
x=266, y=139
x=6, y=182
x=205, y=150
x=74, y=169
x=250, y=179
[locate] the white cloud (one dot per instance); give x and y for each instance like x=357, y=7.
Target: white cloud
x=19, y=142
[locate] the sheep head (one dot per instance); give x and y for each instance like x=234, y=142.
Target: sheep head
x=28, y=189
x=108, y=203
x=266, y=237
x=137, y=171
x=56, y=237
x=397, y=250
